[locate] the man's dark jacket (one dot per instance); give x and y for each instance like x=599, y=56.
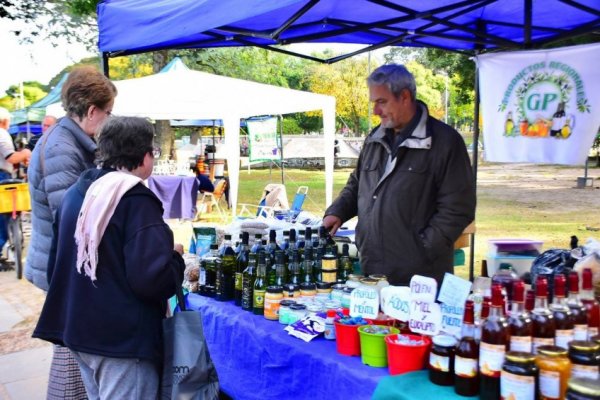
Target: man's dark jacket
x=412, y=208
x=120, y=314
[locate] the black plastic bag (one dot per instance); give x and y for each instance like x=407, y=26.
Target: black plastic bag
x=550, y=263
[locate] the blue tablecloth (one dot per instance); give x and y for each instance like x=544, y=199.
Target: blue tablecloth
x=256, y=359
x=414, y=385
x=178, y=194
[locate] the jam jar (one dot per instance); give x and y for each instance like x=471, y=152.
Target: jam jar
x=583, y=389
x=441, y=360
x=519, y=376
x=585, y=359
x=555, y=369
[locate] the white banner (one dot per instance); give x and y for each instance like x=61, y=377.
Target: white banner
x=540, y=106
x=263, y=139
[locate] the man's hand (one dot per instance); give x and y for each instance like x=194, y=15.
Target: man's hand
x=332, y=223
x=179, y=248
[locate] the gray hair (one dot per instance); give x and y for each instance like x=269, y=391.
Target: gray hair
x=396, y=77
x=4, y=114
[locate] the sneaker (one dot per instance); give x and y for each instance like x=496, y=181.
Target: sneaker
x=6, y=266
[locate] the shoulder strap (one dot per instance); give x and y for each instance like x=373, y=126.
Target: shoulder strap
x=43, y=148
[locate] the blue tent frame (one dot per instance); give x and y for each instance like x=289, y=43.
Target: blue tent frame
x=466, y=26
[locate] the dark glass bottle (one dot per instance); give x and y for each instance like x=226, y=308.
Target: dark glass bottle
x=225, y=279
x=257, y=245
x=242, y=263
x=271, y=247
x=323, y=234
x=505, y=276
x=300, y=243
x=580, y=329
x=495, y=339
x=285, y=245
x=294, y=269
x=308, y=239
x=260, y=286
x=466, y=376
x=210, y=262
x=318, y=264
x=248, y=282
x=563, y=318
x=519, y=322
x=544, y=329
x=590, y=303
x=345, y=267
x=279, y=269
x=307, y=266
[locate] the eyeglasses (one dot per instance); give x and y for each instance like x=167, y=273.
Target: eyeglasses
x=108, y=113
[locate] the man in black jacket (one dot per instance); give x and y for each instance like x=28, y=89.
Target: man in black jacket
x=412, y=189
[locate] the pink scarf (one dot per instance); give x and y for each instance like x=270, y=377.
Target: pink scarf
x=99, y=205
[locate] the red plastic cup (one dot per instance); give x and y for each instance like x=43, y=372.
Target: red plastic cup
x=404, y=358
x=347, y=339
x=382, y=321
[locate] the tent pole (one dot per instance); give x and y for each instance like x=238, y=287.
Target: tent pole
x=475, y=162
x=281, y=147
x=105, y=67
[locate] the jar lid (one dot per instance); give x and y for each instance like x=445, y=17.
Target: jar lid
x=520, y=357
x=291, y=287
x=297, y=307
x=369, y=281
x=338, y=286
x=354, y=277
x=313, y=307
x=287, y=303
x=348, y=289
x=584, y=346
x=585, y=386
x=552, y=351
x=378, y=277
x=328, y=269
x=444, y=340
x=333, y=304
x=308, y=286
x=274, y=289
x=323, y=285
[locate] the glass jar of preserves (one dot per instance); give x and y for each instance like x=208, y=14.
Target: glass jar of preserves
x=441, y=360
x=273, y=297
x=324, y=290
x=313, y=308
x=519, y=376
x=337, y=291
x=555, y=368
x=308, y=290
x=291, y=291
x=585, y=359
x=346, y=297
x=353, y=281
x=369, y=282
x=284, y=311
x=297, y=312
x=583, y=389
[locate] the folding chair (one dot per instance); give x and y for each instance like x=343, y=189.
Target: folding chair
x=297, y=203
x=273, y=198
x=212, y=199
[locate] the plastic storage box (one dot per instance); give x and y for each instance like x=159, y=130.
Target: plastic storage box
x=514, y=247
x=519, y=264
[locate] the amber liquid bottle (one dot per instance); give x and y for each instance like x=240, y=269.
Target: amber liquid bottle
x=580, y=330
x=543, y=320
x=495, y=338
x=590, y=303
x=466, y=377
x=563, y=319
x=519, y=322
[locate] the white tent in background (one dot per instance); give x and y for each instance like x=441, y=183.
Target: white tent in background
x=182, y=93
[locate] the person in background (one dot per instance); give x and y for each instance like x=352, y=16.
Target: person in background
x=58, y=159
x=108, y=293
x=8, y=157
x=412, y=190
x=47, y=122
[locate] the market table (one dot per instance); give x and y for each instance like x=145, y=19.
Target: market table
x=414, y=385
x=178, y=194
x=256, y=359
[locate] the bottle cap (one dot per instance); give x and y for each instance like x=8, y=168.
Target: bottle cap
x=518, y=294
x=530, y=300
x=227, y=236
x=497, y=298
x=586, y=278
x=331, y=313
x=541, y=287
x=469, y=318
x=573, y=282
x=559, y=285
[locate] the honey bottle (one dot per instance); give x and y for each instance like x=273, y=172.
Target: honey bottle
x=519, y=322
x=580, y=329
x=544, y=329
x=590, y=303
x=466, y=376
x=563, y=319
x=495, y=339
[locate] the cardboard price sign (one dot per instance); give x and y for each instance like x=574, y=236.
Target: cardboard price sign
x=425, y=314
x=364, y=302
x=452, y=317
x=395, y=302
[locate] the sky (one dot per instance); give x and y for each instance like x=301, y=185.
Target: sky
x=40, y=61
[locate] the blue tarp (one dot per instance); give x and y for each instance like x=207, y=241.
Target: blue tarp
x=138, y=25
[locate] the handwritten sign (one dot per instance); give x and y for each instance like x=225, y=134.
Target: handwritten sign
x=364, y=302
x=423, y=288
x=452, y=317
x=425, y=317
x=454, y=291
x=395, y=302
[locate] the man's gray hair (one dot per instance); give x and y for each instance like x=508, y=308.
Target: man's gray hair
x=396, y=77
x=4, y=114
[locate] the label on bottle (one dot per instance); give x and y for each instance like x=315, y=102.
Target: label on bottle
x=272, y=307
x=258, y=299
x=465, y=367
x=550, y=384
x=202, y=277
x=563, y=337
x=238, y=281
x=580, y=332
x=584, y=371
x=538, y=341
x=514, y=386
x=439, y=363
x=491, y=358
x=520, y=343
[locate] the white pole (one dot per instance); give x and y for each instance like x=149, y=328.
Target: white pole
x=446, y=101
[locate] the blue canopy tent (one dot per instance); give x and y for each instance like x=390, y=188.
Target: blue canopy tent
x=465, y=26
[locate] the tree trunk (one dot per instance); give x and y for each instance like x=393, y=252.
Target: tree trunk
x=164, y=137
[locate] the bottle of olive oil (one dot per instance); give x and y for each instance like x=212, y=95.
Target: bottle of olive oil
x=260, y=286
x=248, y=278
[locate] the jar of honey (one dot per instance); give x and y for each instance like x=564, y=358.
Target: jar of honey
x=441, y=360
x=585, y=359
x=583, y=389
x=519, y=376
x=273, y=297
x=555, y=370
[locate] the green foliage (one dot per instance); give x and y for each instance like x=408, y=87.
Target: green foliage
x=290, y=126
x=32, y=92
